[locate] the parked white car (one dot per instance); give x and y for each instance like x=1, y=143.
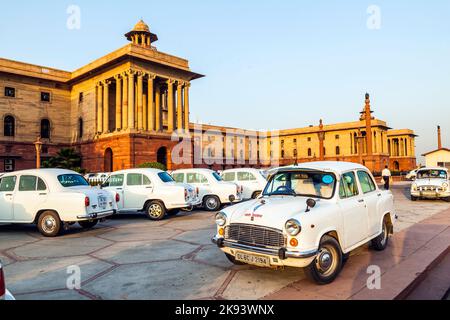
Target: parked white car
x=309, y=216
x=97, y=178
x=152, y=191
x=212, y=190
x=251, y=181
x=53, y=199
x=431, y=183
x=4, y=293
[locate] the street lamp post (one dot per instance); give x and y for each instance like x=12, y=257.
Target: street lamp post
x=38, y=145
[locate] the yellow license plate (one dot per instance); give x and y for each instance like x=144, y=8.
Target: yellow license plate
x=260, y=261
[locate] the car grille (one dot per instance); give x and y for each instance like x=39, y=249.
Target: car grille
x=431, y=188
x=255, y=235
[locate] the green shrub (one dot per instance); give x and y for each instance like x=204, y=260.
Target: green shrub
x=153, y=165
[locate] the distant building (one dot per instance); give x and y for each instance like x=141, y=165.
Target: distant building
x=439, y=157
x=121, y=110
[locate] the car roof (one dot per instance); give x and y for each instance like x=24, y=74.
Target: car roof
x=194, y=170
x=432, y=168
x=41, y=172
x=334, y=166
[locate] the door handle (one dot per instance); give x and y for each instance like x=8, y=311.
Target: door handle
x=379, y=194
x=118, y=189
x=361, y=200
x=42, y=194
x=9, y=194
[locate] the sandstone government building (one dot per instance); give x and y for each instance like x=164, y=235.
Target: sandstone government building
x=120, y=111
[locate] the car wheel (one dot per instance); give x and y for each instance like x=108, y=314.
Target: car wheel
x=173, y=212
x=413, y=198
x=155, y=210
x=447, y=199
x=211, y=203
x=49, y=224
x=381, y=242
x=256, y=194
x=233, y=260
x=328, y=263
x=88, y=224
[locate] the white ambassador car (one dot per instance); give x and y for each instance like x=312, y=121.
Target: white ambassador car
x=4, y=293
x=53, y=199
x=150, y=190
x=212, y=190
x=431, y=183
x=309, y=216
x=251, y=180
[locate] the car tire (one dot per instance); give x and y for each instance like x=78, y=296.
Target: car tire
x=155, y=210
x=88, y=224
x=413, y=198
x=447, y=199
x=328, y=263
x=256, y=194
x=381, y=242
x=233, y=260
x=212, y=203
x=173, y=212
x=49, y=224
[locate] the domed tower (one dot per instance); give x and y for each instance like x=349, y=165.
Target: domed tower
x=141, y=35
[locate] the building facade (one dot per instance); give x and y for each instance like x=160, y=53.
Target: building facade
x=123, y=109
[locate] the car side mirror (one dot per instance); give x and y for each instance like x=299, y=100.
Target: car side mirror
x=310, y=203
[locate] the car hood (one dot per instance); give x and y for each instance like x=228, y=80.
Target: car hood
x=430, y=182
x=272, y=212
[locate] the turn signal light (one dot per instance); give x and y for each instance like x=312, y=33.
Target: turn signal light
x=87, y=202
x=117, y=197
x=293, y=242
x=221, y=232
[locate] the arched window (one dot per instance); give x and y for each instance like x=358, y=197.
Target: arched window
x=309, y=152
x=45, y=129
x=80, y=127
x=9, y=126
x=338, y=150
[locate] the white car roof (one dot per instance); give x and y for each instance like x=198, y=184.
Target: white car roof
x=433, y=168
x=333, y=166
x=44, y=173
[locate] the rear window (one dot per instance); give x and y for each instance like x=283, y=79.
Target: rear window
x=72, y=180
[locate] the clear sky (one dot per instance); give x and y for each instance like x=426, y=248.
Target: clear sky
x=269, y=64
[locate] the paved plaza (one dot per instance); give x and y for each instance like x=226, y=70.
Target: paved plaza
x=130, y=257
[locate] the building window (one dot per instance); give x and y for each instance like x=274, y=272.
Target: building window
x=80, y=97
x=45, y=129
x=9, y=165
x=338, y=150
x=337, y=137
x=295, y=140
x=10, y=92
x=282, y=154
x=309, y=139
x=295, y=153
x=45, y=96
x=324, y=151
x=80, y=127
x=9, y=126
x=309, y=152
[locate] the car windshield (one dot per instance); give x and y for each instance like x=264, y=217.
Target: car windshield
x=217, y=176
x=302, y=183
x=432, y=174
x=165, y=177
x=72, y=180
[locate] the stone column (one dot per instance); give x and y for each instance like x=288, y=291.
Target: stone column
x=106, y=106
x=150, y=103
x=131, y=96
x=140, y=102
x=157, y=107
x=118, y=102
x=124, y=100
x=171, y=107
x=99, y=108
x=180, y=106
x=186, y=106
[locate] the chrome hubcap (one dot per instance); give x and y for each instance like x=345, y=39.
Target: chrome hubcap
x=211, y=203
x=49, y=224
x=326, y=261
x=155, y=211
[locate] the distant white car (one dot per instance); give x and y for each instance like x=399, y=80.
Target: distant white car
x=411, y=175
x=431, y=183
x=4, y=293
x=97, y=178
x=309, y=216
x=150, y=190
x=53, y=199
x=251, y=181
x=212, y=190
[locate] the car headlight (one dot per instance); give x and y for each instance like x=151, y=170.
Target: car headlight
x=445, y=185
x=293, y=227
x=221, y=219
x=414, y=186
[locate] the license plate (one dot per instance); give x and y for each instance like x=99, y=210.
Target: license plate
x=102, y=202
x=256, y=260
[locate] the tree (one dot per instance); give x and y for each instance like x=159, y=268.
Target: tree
x=154, y=165
x=66, y=158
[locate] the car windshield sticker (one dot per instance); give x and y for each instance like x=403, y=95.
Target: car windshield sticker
x=327, y=179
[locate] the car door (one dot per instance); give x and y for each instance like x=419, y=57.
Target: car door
x=115, y=184
x=353, y=209
x=372, y=198
x=29, y=197
x=137, y=190
x=7, y=187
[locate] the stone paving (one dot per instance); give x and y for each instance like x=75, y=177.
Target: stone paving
x=130, y=257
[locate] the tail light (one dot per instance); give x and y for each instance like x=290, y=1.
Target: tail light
x=186, y=194
x=87, y=202
x=2, y=283
x=197, y=190
x=117, y=197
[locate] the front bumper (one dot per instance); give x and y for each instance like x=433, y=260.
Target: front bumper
x=430, y=194
x=96, y=216
x=281, y=257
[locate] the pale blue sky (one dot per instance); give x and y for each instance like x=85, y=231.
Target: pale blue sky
x=269, y=64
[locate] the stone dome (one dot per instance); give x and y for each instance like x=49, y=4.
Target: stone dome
x=141, y=26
